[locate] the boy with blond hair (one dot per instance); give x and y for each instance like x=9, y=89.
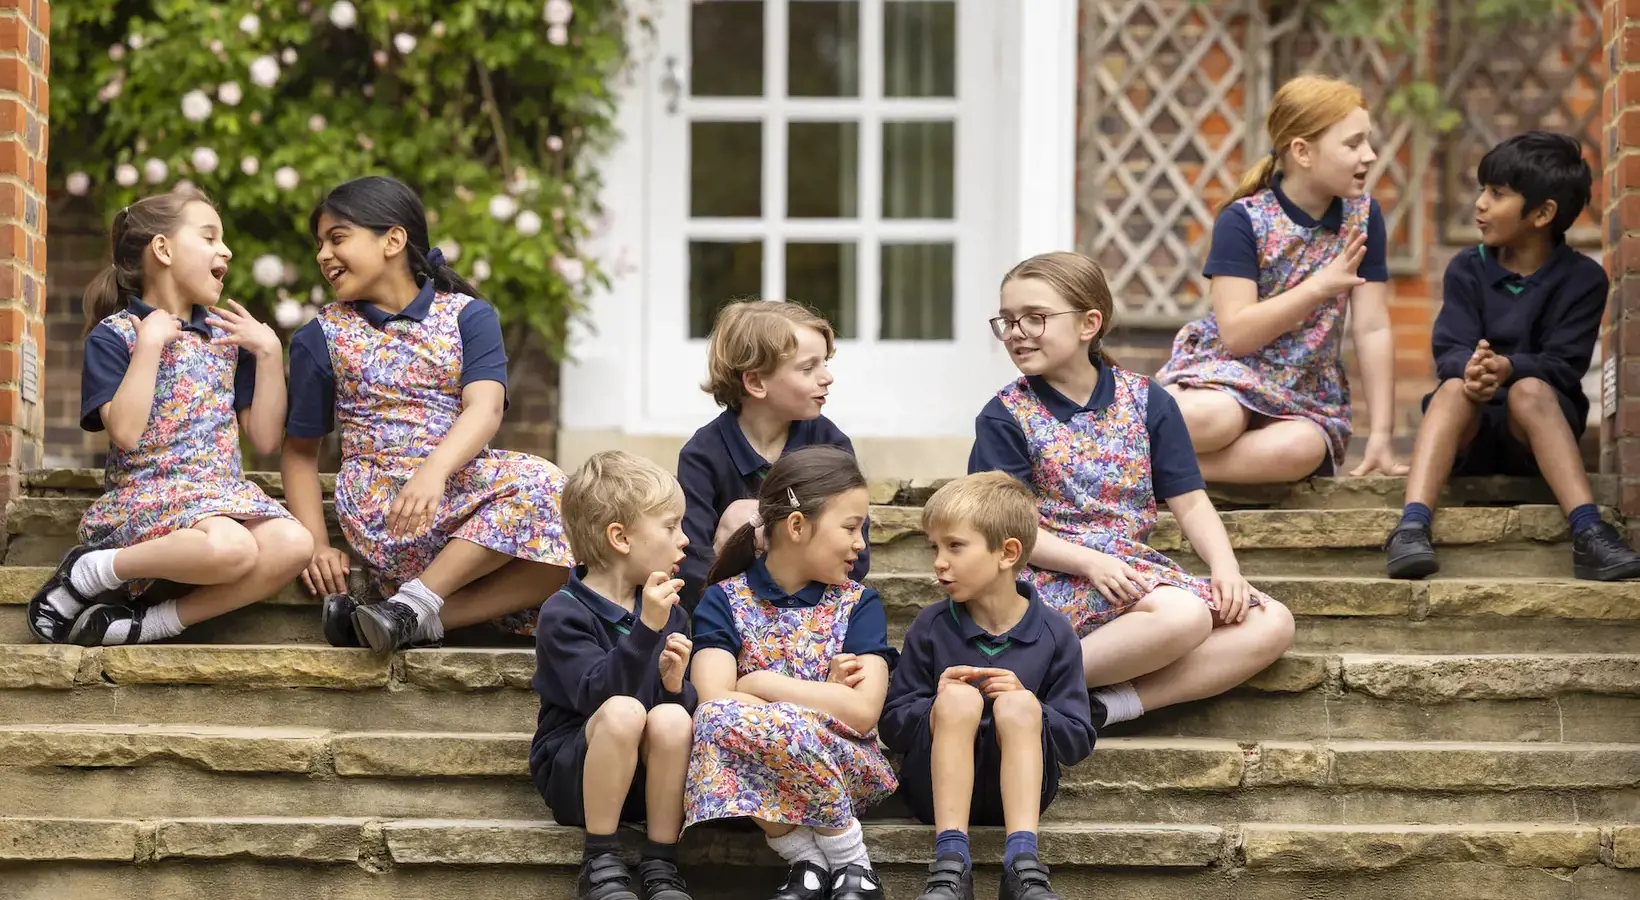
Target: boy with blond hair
x=613, y=736
x=988, y=699
x=766, y=366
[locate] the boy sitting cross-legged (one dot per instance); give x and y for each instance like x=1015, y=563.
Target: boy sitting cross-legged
x=988, y=700
x=1520, y=315
x=613, y=736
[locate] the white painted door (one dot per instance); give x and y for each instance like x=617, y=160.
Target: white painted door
x=840, y=153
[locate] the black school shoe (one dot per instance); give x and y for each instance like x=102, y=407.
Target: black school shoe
x=91, y=627
x=662, y=881
x=1411, y=553
x=1026, y=879
x=1599, y=554
x=386, y=626
x=44, y=621
x=605, y=877
x=856, y=882
x=805, y=881
x=948, y=879
x=336, y=616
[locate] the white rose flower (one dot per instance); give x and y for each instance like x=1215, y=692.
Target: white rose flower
x=557, y=12
x=343, y=15
x=155, y=170
x=136, y=41
x=250, y=165
x=230, y=93
x=452, y=250
x=216, y=47
x=78, y=183
x=316, y=122
x=264, y=71
x=438, y=29
x=205, y=160
x=183, y=184
x=196, y=106
x=404, y=42
x=570, y=268
x=503, y=207
x=379, y=57
x=125, y=175
x=310, y=311
x=557, y=35
x=268, y=270
x=288, y=56
x=285, y=178
x=481, y=270
x=317, y=295
x=555, y=143
x=116, y=52
x=287, y=313
x=250, y=24
x=528, y=223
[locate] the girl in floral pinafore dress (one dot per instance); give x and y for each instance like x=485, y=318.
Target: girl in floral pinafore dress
x=410, y=363
x=1260, y=379
x=173, y=377
x=791, y=664
x=1098, y=445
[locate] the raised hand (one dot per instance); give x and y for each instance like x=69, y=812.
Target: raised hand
x=660, y=594
x=158, y=329
x=1339, y=274
x=244, y=331
x=674, y=660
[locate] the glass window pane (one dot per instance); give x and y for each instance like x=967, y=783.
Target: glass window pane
x=726, y=49
x=726, y=169
x=919, y=284
x=823, y=276
x=919, y=170
x=718, y=273
x=920, y=48
x=823, y=49
x=822, y=170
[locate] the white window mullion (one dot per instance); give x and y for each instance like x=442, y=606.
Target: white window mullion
x=868, y=293
x=774, y=149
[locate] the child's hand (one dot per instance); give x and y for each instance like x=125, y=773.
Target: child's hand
x=735, y=515
x=412, y=511
x=846, y=670
x=956, y=675
x=997, y=682
x=674, y=660
x=158, y=329
x=660, y=594
x=1499, y=367
x=1338, y=275
x=327, y=572
x=1114, y=579
x=1478, y=384
x=1231, y=595
x=1380, y=457
x=243, y=331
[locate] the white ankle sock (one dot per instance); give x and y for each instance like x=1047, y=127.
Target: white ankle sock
x=418, y=597
x=798, y=846
x=158, y=623
x=431, y=630
x=1121, y=702
x=92, y=574
x=848, y=848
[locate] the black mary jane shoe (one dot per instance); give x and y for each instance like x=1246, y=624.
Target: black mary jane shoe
x=336, y=617
x=44, y=621
x=805, y=881
x=856, y=882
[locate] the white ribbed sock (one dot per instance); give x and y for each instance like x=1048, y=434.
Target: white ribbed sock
x=158, y=623
x=420, y=598
x=798, y=846
x=1121, y=702
x=848, y=848
x=92, y=574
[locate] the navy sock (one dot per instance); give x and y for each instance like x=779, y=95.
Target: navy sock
x=1020, y=843
x=952, y=841
x=599, y=844
x=657, y=850
x=1583, y=517
x=1416, y=514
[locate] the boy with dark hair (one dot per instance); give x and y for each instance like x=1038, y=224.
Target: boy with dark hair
x=1520, y=314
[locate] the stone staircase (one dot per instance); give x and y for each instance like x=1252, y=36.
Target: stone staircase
x=1476, y=736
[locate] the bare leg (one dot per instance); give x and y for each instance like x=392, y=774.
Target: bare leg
x=518, y=585
x=218, y=550
x=1536, y=420
x=282, y=549
x=1230, y=655
x=955, y=720
x=1449, y=425
x=1214, y=418
x=666, y=741
x=1164, y=626
x=1285, y=450
x=613, y=735
x=459, y=564
x=1018, y=717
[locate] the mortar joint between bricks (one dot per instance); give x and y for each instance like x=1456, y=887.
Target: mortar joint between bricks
x=1334, y=685
x=395, y=671
x=1252, y=763
x=1608, y=845
x=147, y=842
x=374, y=857
x=91, y=668
x=324, y=765
x=1232, y=849
x=1420, y=601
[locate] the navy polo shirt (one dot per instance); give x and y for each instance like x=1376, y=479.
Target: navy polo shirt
x=1546, y=323
x=1041, y=650
x=715, y=624
x=1234, y=250
x=312, y=391
x=717, y=467
x=589, y=649
x=1000, y=444
x=107, y=357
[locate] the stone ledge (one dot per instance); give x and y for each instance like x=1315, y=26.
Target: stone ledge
x=412, y=755
x=1319, y=848
x=308, y=840
x=221, y=749
x=1491, y=677
x=247, y=665
x=42, y=666
x=52, y=840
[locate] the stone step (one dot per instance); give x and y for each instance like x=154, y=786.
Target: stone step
x=424, y=859
x=197, y=770
x=1304, y=696
x=1350, y=614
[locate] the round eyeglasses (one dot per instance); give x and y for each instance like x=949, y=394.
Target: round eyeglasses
x=1031, y=325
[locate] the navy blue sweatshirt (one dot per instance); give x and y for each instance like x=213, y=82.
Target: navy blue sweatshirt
x=1546, y=323
x=587, y=650
x=1041, y=650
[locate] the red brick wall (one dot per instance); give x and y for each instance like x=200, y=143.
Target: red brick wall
x=1620, y=433
x=25, y=27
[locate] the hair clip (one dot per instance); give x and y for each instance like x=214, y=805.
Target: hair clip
x=756, y=521
x=435, y=258
x=791, y=495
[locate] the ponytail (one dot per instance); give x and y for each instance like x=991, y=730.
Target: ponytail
x=1097, y=354
x=1257, y=179
x=433, y=266
x=1302, y=110
x=102, y=297
x=133, y=229
x=802, y=481
x=739, y=552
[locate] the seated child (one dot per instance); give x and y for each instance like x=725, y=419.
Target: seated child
x=988, y=701
x=1520, y=315
x=766, y=367
x=792, y=668
x=611, y=648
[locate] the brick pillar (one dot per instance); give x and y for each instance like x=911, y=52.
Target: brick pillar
x=24, y=63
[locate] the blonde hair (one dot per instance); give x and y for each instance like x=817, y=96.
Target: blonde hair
x=994, y=504
x=1081, y=282
x=1303, y=109
x=134, y=229
x=613, y=486
x=755, y=336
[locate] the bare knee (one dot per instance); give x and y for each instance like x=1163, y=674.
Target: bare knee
x=1298, y=459
x=1213, y=418
x=668, y=730
x=1273, y=622
x=284, y=544
x=619, y=721
x=1182, y=616
x=1450, y=406
x=1017, y=711
x=231, y=551
x=958, y=706
x=1532, y=400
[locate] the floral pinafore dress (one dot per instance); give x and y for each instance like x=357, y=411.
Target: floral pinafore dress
x=781, y=762
x=1300, y=375
x=1092, y=479
x=186, y=466
x=398, y=393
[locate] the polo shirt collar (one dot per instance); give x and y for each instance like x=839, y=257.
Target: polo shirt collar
x=747, y=460
x=1494, y=273
x=1064, y=408
x=762, y=584
x=599, y=605
x=1332, y=219
x=415, y=312
x=196, y=317
x=1026, y=631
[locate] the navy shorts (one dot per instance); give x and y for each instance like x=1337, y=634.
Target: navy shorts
x=1495, y=450
x=559, y=783
x=985, y=806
